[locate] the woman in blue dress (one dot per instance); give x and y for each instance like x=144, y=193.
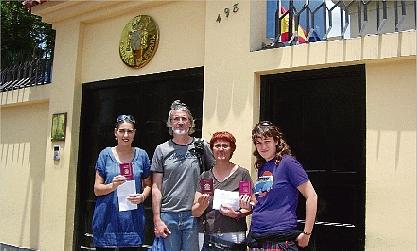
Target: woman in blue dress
x=119, y=220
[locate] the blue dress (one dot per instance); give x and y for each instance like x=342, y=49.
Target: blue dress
x=112, y=228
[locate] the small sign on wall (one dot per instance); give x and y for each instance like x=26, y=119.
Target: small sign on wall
x=59, y=122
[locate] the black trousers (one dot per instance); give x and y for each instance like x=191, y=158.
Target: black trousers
x=212, y=243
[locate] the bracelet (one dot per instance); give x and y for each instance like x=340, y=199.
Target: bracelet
x=304, y=232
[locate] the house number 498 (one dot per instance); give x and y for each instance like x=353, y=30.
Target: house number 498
x=227, y=11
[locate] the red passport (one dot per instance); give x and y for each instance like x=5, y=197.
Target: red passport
x=126, y=170
x=207, y=186
x=245, y=187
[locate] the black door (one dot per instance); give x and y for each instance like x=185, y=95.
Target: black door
x=322, y=113
x=148, y=99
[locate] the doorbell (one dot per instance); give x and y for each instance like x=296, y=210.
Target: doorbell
x=57, y=152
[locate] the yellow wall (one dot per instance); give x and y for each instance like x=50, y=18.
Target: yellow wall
x=57, y=216
x=391, y=155
x=87, y=50
x=181, y=42
x=229, y=89
x=22, y=172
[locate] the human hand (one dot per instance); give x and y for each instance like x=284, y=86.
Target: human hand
x=245, y=202
x=118, y=180
x=161, y=230
x=229, y=212
x=204, y=200
x=136, y=198
x=302, y=240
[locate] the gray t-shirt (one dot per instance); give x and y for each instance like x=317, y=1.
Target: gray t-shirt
x=181, y=169
x=217, y=222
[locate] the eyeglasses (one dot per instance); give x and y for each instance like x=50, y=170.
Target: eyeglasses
x=265, y=123
x=122, y=118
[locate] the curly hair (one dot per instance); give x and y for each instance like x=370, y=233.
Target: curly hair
x=226, y=136
x=268, y=129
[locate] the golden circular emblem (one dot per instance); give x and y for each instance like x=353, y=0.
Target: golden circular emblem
x=139, y=41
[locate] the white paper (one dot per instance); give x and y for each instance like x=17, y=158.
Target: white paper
x=226, y=199
x=123, y=191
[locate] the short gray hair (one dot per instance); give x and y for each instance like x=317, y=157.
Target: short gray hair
x=177, y=105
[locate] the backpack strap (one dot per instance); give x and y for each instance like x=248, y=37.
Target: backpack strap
x=199, y=150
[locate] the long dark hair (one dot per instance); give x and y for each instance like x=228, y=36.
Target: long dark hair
x=268, y=129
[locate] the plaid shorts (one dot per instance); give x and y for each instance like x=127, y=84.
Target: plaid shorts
x=277, y=246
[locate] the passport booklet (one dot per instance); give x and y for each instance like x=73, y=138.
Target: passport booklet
x=245, y=187
x=126, y=169
x=207, y=186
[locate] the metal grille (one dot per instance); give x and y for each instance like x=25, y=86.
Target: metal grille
x=30, y=73
x=343, y=18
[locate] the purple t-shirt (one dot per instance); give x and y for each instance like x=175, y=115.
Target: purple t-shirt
x=277, y=195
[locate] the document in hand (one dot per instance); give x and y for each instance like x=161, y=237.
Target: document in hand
x=226, y=199
x=123, y=191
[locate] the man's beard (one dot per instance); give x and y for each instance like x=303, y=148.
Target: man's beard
x=181, y=131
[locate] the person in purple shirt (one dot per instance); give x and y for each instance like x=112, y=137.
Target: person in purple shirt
x=280, y=178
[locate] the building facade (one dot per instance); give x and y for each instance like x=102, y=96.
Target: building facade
x=347, y=106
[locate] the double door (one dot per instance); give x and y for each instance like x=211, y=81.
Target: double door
x=322, y=113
